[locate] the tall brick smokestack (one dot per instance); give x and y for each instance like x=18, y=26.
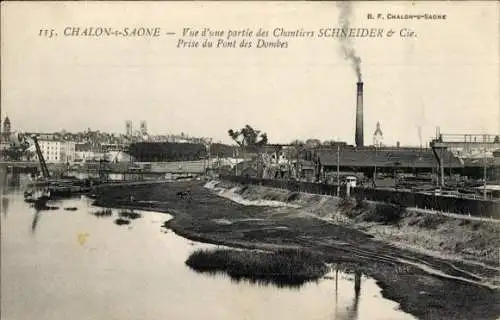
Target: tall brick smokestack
x=359, y=115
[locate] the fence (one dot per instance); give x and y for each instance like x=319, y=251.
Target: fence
x=198, y=166
x=473, y=207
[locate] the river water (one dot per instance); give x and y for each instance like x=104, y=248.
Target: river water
x=62, y=264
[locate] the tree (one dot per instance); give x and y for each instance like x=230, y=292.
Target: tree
x=497, y=139
x=16, y=151
x=313, y=143
x=248, y=137
x=297, y=143
x=330, y=143
x=297, y=147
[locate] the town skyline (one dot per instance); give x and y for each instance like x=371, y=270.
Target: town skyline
x=186, y=135
x=305, y=91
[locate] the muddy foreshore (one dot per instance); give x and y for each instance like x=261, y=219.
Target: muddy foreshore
x=424, y=286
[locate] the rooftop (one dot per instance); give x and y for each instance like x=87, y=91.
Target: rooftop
x=385, y=158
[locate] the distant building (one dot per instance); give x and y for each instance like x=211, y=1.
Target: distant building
x=118, y=157
x=54, y=151
x=6, y=134
x=378, y=136
x=144, y=128
x=128, y=128
x=67, y=151
x=85, y=152
x=6, y=127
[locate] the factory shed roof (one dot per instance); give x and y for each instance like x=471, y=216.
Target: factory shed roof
x=385, y=158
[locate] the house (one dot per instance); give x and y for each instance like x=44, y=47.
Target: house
x=55, y=150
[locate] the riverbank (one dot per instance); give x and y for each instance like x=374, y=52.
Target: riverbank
x=425, y=286
x=457, y=237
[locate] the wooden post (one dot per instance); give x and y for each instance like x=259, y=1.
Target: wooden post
x=338, y=171
x=484, y=173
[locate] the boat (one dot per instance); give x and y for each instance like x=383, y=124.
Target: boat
x=28, y=193
x=41, y=203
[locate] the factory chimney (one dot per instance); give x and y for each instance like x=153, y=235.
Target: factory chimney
x=359, y=115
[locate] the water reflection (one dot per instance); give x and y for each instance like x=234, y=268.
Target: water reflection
x=38, y=212
x=4, y=182
x=34, y=224
x=87, y=267
x=352, y=313
x=14, y=181
x=4, y=205
x=278, y=282
x=352, y=309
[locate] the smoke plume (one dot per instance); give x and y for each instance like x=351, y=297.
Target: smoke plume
x=345, y=42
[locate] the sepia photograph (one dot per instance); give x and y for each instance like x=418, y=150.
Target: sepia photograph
x=253, y=160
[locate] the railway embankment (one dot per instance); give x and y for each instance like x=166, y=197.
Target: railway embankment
x=453, y=236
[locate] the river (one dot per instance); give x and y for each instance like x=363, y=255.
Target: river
x=62, y=264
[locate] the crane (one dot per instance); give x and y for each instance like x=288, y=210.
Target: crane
x=45, y=170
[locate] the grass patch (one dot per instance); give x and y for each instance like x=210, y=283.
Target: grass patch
x=129, y=215
x=103, y=213
x=284, y=267
x=121, y=221
x=361, y=205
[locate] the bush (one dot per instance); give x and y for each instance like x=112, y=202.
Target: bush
x=103, y=213
x=282, y=267
x=386, y=213
x=361, y=205
x=293, y=196
x=121, y=221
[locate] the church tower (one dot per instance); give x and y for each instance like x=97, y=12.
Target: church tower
x=378, y=136
x=6, y=128
x=6, y=125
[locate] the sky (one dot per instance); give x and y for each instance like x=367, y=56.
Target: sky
x=447, y=76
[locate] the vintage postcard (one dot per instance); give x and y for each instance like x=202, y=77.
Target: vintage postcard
x=231, y=160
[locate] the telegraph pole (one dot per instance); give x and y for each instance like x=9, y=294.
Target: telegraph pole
x=209, y=147
x=375, y=170
x=484, y=175
x=338, y=170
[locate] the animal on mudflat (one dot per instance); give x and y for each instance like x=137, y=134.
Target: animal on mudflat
x=184, y=194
